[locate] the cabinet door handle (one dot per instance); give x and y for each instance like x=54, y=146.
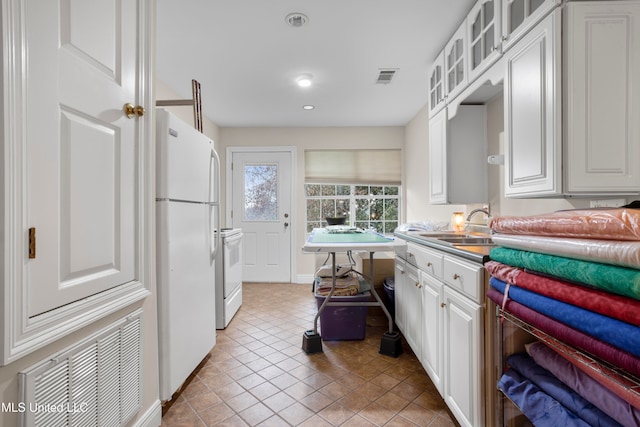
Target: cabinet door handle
x=443, y=305
x=429, y=264
x=409, y=254
x=455, y=276
x=417, y=284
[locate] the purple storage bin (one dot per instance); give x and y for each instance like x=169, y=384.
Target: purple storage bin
x=343, y=323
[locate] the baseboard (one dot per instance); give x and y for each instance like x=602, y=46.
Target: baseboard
x=305, y=279
x=151, y=418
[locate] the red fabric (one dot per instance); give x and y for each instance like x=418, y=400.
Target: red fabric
x=610, y=305
x=605, y=224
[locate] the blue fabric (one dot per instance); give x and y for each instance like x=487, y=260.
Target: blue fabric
x=540, y=408
x=549, y=384
x=619, y=334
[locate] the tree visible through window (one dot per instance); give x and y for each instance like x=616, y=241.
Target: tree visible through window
x=261, y=193
x=365, y=206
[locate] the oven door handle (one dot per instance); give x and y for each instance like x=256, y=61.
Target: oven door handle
x=232, y=239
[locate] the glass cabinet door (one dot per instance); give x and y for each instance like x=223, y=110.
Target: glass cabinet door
x=455, y=66
x=484, y=29
x=519, y=16
x=436, y=85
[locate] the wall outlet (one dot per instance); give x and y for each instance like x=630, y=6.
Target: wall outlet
x=607, y=203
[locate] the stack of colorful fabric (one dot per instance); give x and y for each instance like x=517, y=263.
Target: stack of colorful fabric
x=575, y=276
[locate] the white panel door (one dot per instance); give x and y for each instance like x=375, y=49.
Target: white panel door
x=432, y=318
x=462, y=358
x=532, y=101
x=261, y=204
x=81, y=148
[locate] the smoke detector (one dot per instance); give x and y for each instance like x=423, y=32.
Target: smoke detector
x=296, y=19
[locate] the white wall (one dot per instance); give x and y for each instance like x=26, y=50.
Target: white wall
x=309, y=138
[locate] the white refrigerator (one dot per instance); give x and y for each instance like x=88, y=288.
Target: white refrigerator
x=187, y=213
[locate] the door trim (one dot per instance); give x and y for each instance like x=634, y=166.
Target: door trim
x=292, y=151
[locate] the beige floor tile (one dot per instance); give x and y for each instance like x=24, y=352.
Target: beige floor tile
x=258, y=374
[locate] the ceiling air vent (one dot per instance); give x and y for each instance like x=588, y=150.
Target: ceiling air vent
x=386, y=75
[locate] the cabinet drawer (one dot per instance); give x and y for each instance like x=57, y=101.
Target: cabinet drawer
x=425, y=259
x=466, y=277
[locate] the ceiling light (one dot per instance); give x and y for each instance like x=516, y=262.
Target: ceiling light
x=296, y=19
x=304, y=80
x=308, y=107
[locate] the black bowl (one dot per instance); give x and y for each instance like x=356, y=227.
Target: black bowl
x=339, y=220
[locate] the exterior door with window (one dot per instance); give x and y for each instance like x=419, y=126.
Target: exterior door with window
x=261, y=206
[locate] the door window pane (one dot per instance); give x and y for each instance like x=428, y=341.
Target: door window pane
x=261, y=193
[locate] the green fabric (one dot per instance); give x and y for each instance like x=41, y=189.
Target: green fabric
x=324, y=237
x=618, y=280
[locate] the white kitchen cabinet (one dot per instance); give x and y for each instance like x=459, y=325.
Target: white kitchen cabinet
x=520, y=16
x=409, y=302
x=458, y=156
x=455, y=62
x=533, y=127
x=449, y=337
x=399, y=289
x=484, y=28
x=77, y=193
x=602, y=104
x=463, y=358
x=437, y=88
x=432, y=324
x=572, y=124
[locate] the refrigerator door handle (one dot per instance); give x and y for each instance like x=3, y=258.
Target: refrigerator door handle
x=215, y=237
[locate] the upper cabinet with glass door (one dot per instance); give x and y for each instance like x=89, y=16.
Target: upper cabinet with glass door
x=484, y=28
x=437, y=88
x=455, y=62
x=520, y=16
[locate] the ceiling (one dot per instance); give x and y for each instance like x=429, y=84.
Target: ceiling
x=247, y=58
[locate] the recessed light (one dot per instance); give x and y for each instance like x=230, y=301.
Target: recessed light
x=304, y=80
x=296, y=19
x=308, y=107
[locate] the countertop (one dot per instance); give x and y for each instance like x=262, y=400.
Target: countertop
x=479, y=254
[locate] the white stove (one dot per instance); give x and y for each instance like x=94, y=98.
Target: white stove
x=228, y=276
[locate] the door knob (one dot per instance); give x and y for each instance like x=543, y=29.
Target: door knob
x=132, y=111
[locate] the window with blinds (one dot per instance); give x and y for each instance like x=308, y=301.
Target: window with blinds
x=353, y=166
x=361, y=185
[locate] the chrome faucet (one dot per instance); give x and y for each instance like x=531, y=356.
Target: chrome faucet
x=475, y=211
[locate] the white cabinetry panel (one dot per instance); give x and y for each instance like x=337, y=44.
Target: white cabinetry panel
x=533, y=112
x=464, y=358
x=603, y=96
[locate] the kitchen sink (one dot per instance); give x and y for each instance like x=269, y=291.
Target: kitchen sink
x=445, y=235
x=468, y=241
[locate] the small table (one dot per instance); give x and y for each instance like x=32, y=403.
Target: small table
x=344, y=239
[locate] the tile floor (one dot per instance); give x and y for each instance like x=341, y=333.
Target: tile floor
x=258, y=375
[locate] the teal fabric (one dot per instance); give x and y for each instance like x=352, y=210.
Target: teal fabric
x=618, y=280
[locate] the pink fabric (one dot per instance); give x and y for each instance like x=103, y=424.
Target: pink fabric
x=604, y=224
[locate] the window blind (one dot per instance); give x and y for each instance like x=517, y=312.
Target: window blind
x=353, y=166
